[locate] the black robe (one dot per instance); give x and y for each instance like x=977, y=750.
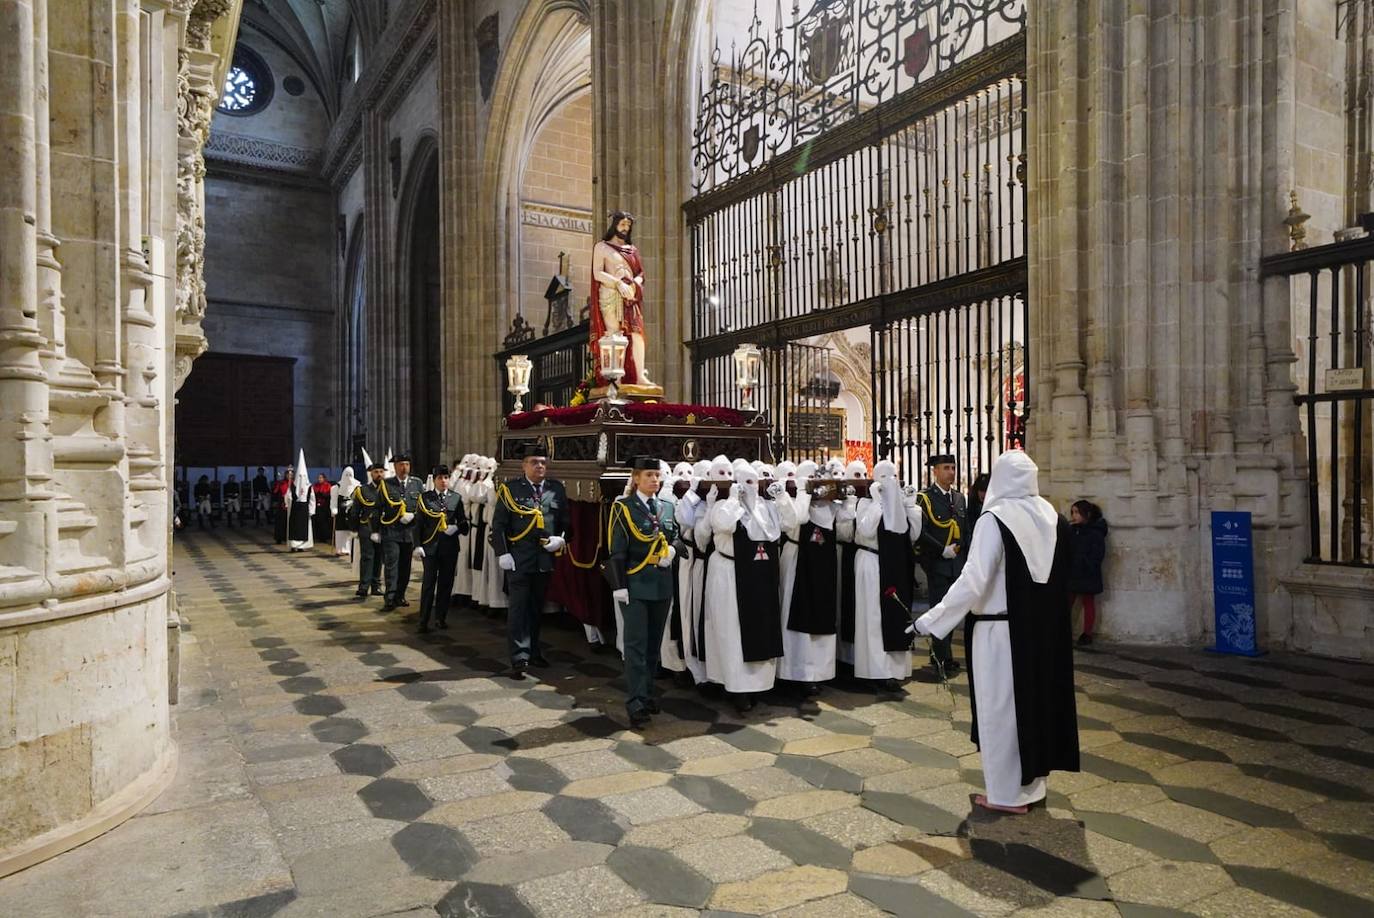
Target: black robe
x=1038, y=624
x=756, y=594
x=298, y=522
x=814, y=583
x=699, y=620
x=896, y=578
x=849, y=553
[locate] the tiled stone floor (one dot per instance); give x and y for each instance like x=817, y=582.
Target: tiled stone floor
x=334, y=763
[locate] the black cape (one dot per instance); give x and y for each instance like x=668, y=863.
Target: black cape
x=1038, y=620
x=298, y=523
x=896, y=578
x=849, y=553
x=699, y=620
x=756, y=594
x=814, y=582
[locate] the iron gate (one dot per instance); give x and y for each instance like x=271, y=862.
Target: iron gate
x=885, y=254
x=1331, y=289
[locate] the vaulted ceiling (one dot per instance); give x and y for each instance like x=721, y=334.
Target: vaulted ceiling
x=317, y=34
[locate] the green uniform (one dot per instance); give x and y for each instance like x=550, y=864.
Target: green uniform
x=364, y=510
x=639, y=534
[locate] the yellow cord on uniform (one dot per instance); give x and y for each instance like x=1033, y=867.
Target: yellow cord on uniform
x=536, y=515
x=951, y=525
x=658, y=548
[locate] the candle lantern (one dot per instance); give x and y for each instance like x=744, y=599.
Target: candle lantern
x=748, y=361
x=612, y=346
x=518, y=378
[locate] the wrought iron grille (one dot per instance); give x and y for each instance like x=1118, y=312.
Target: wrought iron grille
x=1331, y=287
x=906, y=225
x=952, y=381
x=820, y=63
x=797, y=388
x=559, y=362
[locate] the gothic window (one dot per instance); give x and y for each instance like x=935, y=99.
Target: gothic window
x=248, y=86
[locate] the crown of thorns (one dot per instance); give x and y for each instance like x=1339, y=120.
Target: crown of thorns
x=621, y=213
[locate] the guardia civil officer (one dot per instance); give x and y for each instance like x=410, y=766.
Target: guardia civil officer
x=527, y=527
x=441, y=521
x=366, y=510
x=400, y=496
x=641, y=532
x=944, y=528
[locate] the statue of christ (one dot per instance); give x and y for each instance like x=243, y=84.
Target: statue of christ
x=618, y=295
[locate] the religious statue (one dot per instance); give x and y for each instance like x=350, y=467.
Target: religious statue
x=618, y=295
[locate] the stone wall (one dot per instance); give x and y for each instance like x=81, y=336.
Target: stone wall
x=104, y=110
x=556, y=209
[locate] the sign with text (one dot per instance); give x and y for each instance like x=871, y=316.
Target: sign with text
x=1344, y=379
x=1233, y=583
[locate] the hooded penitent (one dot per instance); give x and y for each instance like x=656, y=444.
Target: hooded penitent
x=347, y=482
x=1014, y=498
x=301, y=484
x=890, y=497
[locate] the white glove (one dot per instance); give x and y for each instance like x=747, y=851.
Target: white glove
x=621, y=596
x=554, y=544
x=851, y=503
x=407, y=518
x=667, y=560
x=875, y=490
x=333, y=512
x=909, y=496
x=452, y=530
x=950, y=552
x=776, y=488
x=419, y=553
x=507, y=562
x=712, y=495
x=376, y=537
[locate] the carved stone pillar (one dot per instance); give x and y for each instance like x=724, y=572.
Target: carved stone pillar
x=1153, y=339
x=640, y=85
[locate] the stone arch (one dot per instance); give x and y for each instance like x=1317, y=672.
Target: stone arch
x=353, y=335
x=419, y=313
x=547, y=64
x=479, y=311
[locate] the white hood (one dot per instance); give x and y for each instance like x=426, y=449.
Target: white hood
x=760, y=520
x=302, y=483
x=1014, y=498
x=346, y=481
x=894, y=514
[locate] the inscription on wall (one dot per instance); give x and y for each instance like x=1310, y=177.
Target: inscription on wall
x=533, y=213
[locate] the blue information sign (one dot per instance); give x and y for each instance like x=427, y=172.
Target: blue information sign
x=1233, y=583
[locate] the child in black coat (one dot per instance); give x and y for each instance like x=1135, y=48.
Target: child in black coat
x=1089, y=530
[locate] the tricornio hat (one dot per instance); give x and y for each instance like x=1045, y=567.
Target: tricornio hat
x=439, y=470
x=942, y=459
x=645, y=464
x=532, y=450
x=400, y=457
x=376, y=466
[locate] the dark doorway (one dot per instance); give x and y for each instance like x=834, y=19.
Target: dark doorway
x=235, y=410
x=426, y=391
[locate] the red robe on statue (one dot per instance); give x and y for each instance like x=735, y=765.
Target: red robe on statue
x=632, y=322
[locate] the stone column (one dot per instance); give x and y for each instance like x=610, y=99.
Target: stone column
x=1153, y=340
x=641, y=100
x=25, y=441
x=471, y=399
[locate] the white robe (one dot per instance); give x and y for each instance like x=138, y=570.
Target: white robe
x=493, y=581
x=805, y=657
x=668, y=654
x=343, y=539
x=981, y=588
x=462, y=573
x=725, y=663
x=690, y=576
x=870, y=660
